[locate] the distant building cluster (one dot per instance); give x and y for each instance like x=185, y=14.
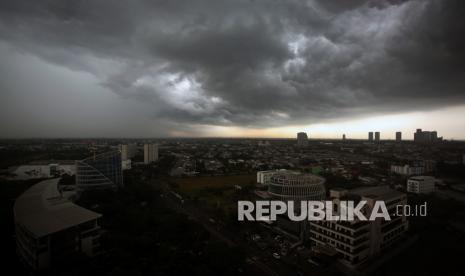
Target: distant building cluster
x=44, y=169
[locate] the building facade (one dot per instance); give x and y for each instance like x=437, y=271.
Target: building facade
x=356, y=241
x=51, y=230
x=103, y=171
x=407, y=169
x=150, y=153
x=421, y=184
x=302, y=139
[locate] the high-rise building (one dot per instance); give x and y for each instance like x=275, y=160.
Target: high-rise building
x=302, y=139
x=150, y=153
x=426, y=136
x=50, y=229
x=377, y=136
x=398, y=136
x=128, y=151
x=343, y=136
x=370, y=136
x=358, y=241
x=101, y=171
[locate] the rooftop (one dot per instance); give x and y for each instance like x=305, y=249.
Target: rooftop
x=43, y=210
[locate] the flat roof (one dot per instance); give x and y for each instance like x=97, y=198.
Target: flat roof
x=43, y=210
x=380, y=192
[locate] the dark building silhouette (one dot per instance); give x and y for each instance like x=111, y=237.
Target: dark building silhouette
x=398, y=136
x=426, y=136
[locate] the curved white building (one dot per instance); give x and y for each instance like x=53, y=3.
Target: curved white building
x=102, y=171
x=289, y=185
x=50, y=229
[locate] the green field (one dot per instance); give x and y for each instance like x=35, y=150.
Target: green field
x=218, y=191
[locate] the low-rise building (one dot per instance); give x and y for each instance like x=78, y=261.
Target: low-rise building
x=420, y=184
x=50, y=229
x=358, y=241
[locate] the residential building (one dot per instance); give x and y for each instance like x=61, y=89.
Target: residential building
x=398, y=136
x=302, y=139
x=407, y=169
x=421, y=184
x=370, y=136
x=150, y=153
x=356, y=242
x=128, y=151
x=426, y=136
x=377, y=136
x=51, y=230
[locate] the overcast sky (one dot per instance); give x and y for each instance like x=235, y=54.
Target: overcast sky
x=145, y=68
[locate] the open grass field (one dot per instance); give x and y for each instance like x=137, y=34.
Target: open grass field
x=215, y=190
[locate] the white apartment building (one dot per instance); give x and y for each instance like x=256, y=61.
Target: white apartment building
x=407, y=169
x=420, y=184
x=358, y=241
x=150, y=153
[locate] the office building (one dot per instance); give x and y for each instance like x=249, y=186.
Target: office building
x=398, y=136
x=357, y=242
x=302, y=139
x=51, y=230
x=426, y=136
x=420, y=184
x=103, y=171
x=296, y=187
x=377, y=136
x=150, y=153
x=370, y=136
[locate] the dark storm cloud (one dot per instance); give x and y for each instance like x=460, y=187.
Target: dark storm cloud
x=254, y=63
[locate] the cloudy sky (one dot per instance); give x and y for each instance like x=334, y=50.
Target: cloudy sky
x=146, y=68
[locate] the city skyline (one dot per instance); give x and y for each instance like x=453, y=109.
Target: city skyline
x=221, y=69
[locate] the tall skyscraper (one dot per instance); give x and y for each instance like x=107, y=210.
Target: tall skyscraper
x=377, y=136
x=343, y=136
x=370, y=136
x=302, y=139
x=150, y=153
x=398, y=136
